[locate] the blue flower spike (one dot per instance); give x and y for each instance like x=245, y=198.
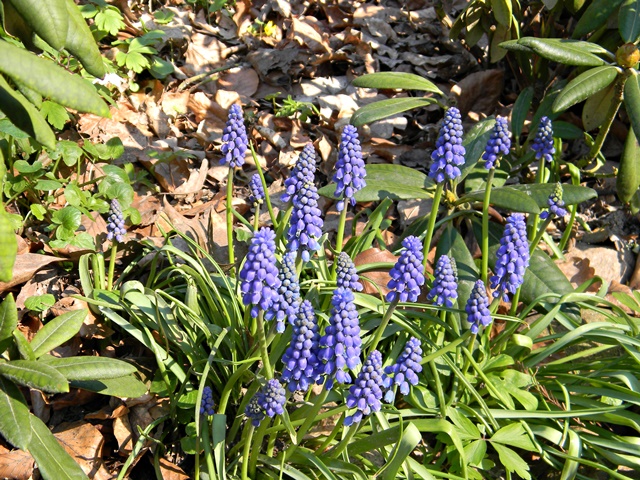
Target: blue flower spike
x=449, y=153
x=366, y=392
x=257, y=191
x=445, y=283
x=206, y=405
x=404, y=372
x=115, y=222
x=303, y=172
x=259, y=281
x=272, y=398
x=542, y=144
x=234, y=139
x=350, y=170
x=512, y=258
x=556, y=204
x=305, y=225
x=477, y=307
x=499, y=143
x=254, y=411
x=300, y=361
x=341, y=343
x=346, y=274
x=407, y=275
x=285, y=305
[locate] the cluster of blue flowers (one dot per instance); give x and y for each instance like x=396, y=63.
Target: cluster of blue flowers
x=445, y=283
x=543, y=142
x=365, y=394
x=556, y=204
x=346, y=274
x=206, y=405
x=407, y=275
x=300, y=361
x=306, y=222
x=499, y=143
x=405, y=371
x=270, y=401
x=303, y=172
x=449, y=153
x=285, y=305
x=115, y=222
x=234, y=139
x=350, y=171
x=477, y=307
x=512, y=258
x=257, y=190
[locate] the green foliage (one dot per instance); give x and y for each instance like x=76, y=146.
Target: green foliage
x=138, y=54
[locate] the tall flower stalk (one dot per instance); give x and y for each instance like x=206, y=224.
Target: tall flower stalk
x=115, y=233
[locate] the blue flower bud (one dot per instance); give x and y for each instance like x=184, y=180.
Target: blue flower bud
x=346, y=274
x=499, y=143
x=512, y=258
x=445, y=283
x=206, y=406
x=234, y=139
x=115, y=222
x=543, y=142
x=350, y=170
x=477, y=307
x=556, y=204
x=300, y=361
x=449, y=153
x=305, y=225
x=405, y=371
x=303, y=172
x=366, y=392
x=257, y=191
x=407, y=276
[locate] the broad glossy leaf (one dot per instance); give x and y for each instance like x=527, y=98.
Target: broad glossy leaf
x=50, y=80
x=57, y=331
x=8, y=317
x=596, y=14
x=396, y=80
x=566, y=130
x=628, y=178
x=584, y=86
x=595, y=109
x=49, y=19
x=521, y=110
x=53, y=460
x=474, y=143
x=571, y=194
x=567, y=52
x=80, y=42
x=34, y=375
x=629, y=20
x=389, y=181
x=632, y=102
x=24, y=115
x=502, y=11
x=385, y=108
x=90, y=368
x=505, y=197
x=123, y=387
x=8, y=247
x=14, y=420
x=515, y=46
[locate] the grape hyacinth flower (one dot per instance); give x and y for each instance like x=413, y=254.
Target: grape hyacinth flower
x=346, y=274
x=305, y=227
x=257, y=191
x=512, y=258
x=543, y=142
x=366, y=392
x=115, y=222
x=272, y=398
x=254, y=411
x=303, y=172
x=445, y=283
x=350, y=171
x=407, y=275
x=206, y=406
x=287, y=302
x=259, y=281
x=477, y=307
x=449, y=152
x=556, y=204
x=499, y=143
x=234, y=139
x=340, y=345
x=300, y=361
x=405, y=371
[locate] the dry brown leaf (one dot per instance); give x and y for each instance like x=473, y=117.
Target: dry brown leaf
x=243, y=80
x=375, y=281
x=175, y=103
x=16, y=464
x=307, y=31
x=171, y=218
x=479, y=92
x=171, y=471
x=26, y=267
x=204, y=53
x=226, y=98
x=123, y=433
x=84, y=443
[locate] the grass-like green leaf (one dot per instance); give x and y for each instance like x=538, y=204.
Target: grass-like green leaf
x=57, y=331
x=629, y=20
x=584, y=86
x=385, y=108
x=567, y=52
x=410, y=439
x=14, y=420
x=35, y=375
x=396, y=80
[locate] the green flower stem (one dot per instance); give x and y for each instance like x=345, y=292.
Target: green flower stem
x=232, y=259
x=465, y=367
x=344, y=443
x=339, y=239
x=539, y=233
x=247, y=435
x=264, y=353
x=255, y=448
x=256, y=218
x=567, y=232
x=267, y=199
x=112, y=264
x=208, y=454
x=432, y=221
x=514, y=301
x=439, y=390
x=311, y=417
x=485, y=227
x=541, y=179
x=271, y=444
x=383, y=325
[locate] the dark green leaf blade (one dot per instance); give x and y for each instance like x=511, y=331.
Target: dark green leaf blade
x=90, y=368
x=123, y=387
x=571, y=194
x=584, y=86
x=596, y=14
x=396, y=80
x=629, y=20
x=505, y=197
x=57, y=331
x=35, y=375
x=14, y=421
x=80, y=42
x=632, y=102
x=520, y=111
x=8, y=318
x=385, y=108
x=567, y=52
x=48, y=19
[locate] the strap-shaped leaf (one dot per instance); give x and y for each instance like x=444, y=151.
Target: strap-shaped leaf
x=410, y=439
x=515, y=46
x=8, y=317
x=385, y=108
x=595, y=109
x=596, y=14
x=571, y=194
x=585, y=85
x=502, y=11
x=48, y=19
x=123, y=387
x=50, y=80
x=396, y=80
x=632, y=102
x=23, y=346
x=629, y=20
x=89, y=368
x=520, y=111
x=24, y=115
x=568, y=52
x=505, y=197
x=14, y=420
x=80, y=42
x=57, y=331
x=53, y=460
x=35, y=375
x=628, y=178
